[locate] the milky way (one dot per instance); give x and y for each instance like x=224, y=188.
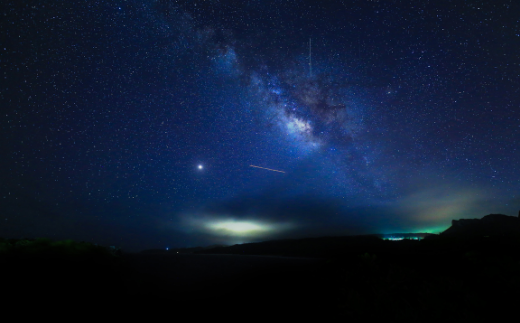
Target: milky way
x=136, y=122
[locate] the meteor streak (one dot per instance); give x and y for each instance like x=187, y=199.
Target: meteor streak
x=274, y=170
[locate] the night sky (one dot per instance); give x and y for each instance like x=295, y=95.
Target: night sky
x=135, y=123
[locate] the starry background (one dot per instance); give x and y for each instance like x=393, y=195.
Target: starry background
x=383, y=116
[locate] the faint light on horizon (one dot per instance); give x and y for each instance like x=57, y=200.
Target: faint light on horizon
x=239, y=227
x=227, y=227
x=393, y=238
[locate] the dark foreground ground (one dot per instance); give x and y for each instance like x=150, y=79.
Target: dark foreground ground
x=261, y=284
x=151, y=285
x=443, y=280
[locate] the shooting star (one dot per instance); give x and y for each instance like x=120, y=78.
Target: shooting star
x=274, y=170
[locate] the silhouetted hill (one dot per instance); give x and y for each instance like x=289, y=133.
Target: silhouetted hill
x=321, y=247
x=489, y=225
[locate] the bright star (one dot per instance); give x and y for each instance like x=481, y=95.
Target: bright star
x=200, y=166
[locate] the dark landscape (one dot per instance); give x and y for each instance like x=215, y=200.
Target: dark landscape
x=462, y=274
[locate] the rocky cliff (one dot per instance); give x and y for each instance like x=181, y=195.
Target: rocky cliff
x=489, y=225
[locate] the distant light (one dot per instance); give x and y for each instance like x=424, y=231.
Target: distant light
x=200, y=167
x=401, y=238
x=238, y=227
x=234, y=229
x=167, y=248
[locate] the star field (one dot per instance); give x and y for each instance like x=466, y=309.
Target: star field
x=135, y=123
